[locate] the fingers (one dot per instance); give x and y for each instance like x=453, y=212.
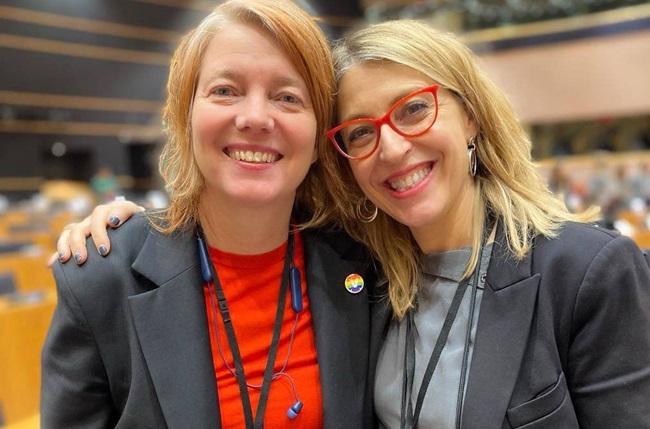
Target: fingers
x=99, y=220
x=52, y=259
x=77, y=240
x=72, y=242
x=120, y=211
x=62, y=246
x=68, y=243
x=113, y=214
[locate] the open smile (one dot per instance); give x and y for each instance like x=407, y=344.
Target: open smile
x=258, y=156
x=405, y=182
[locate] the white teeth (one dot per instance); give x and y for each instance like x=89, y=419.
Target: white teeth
x=405, y=183
x=254, y=157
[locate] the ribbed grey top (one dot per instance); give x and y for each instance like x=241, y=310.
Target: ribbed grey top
x=442, y=273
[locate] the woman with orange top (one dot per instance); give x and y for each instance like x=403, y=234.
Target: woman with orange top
x=218, y=312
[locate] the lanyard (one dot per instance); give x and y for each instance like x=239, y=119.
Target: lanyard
x=409, y=417
x=258, y=422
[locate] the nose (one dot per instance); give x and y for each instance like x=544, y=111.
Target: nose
x=392, y=146
x=255, y=115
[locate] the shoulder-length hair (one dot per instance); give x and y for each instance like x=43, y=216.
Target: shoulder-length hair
x=508, y=183
x=307, y=48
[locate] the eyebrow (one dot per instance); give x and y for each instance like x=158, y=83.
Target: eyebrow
x=394, y=100
x=219, y=73
x=280, y=81
x=288, y=81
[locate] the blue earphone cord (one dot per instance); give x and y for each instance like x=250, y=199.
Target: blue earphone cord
x=276, y=375
x=208, y=273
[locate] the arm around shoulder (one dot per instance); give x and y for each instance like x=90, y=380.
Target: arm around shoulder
x=74, y=386
x=609, y=357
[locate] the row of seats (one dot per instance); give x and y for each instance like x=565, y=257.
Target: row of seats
x=27, y=301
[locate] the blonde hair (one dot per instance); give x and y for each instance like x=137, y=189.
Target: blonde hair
x=507, y=183
x=307, y=48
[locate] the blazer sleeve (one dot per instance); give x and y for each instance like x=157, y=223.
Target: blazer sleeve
x=74, y=386
x=609, y=356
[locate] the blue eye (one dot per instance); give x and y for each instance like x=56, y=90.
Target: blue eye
x=288, y=98
x=223, y=91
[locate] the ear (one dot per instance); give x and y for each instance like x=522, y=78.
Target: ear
x=471, y=129
x=469, y=123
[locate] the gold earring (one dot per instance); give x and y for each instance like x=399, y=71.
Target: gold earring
x=369, y=215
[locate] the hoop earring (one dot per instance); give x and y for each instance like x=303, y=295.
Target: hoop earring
x=364, y=213
x=473, y=158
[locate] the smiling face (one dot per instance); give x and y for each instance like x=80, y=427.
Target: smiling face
x=253, y=124
x=422, y=182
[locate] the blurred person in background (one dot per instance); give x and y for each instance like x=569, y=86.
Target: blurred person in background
x=503, y=309
x=104, y=185
x=189, y=323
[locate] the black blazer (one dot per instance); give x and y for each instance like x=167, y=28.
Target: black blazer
x=563, y=338
x=129, y=347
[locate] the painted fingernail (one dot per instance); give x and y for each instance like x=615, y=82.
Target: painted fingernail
x=61, y=257
x=103, y=250
x=114, y=220
x=77, y=258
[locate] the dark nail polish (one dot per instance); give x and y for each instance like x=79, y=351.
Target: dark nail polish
x=77, y=258
x=114, y=220
x=61, y=257
x=103, y=250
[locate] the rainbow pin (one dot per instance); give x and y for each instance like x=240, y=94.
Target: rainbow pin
x=354, y=283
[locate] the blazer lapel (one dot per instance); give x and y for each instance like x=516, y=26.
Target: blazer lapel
x=341, y=326
x=507, y=309
x=171, y=327
x=380, y=316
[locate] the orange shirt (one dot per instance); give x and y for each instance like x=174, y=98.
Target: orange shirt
x=251, y=284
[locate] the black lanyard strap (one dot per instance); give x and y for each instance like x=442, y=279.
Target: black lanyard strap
x=275, y=341
x=468, y=336
x=409, y=417
x=258, y=423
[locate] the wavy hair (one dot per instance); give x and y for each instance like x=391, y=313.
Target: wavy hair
x=508, y=184
x=307, y=48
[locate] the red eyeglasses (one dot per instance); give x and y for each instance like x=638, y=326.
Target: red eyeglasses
x=411, y=116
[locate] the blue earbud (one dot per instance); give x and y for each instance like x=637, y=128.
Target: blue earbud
x=204, y=260
x=296, y=292
x=295, y=409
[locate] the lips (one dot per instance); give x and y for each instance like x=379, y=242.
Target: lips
x=410, y=179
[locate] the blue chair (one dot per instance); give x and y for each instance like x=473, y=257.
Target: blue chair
x=7, y=284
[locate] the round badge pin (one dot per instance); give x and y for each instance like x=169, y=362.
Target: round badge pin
x=354, y=283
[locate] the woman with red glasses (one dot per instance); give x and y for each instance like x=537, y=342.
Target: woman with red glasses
x=507, y=310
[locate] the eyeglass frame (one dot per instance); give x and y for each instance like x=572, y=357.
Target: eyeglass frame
x=385, y=119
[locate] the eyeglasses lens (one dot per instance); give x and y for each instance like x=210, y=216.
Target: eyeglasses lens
x=410, y=117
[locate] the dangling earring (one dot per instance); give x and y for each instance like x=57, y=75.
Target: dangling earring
x=364, y=213
x=471, y=153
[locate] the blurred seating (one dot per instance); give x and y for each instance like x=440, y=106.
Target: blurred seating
x=29, y=269
x=618, y=183
x=28, y=235
x=13, y=246
x=24, y=320
x=7, y=283
x=31, y=422
x=642, y=238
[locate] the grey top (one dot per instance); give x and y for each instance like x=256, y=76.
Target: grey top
x=442, y=273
